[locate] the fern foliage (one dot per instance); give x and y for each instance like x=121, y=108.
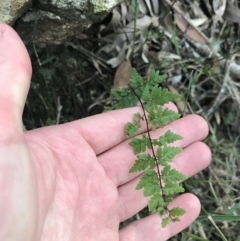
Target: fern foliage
x=159, y=180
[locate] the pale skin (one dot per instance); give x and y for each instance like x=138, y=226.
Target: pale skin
x=71, y=182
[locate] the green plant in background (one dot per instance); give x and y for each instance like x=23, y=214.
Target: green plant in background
x=153, y=156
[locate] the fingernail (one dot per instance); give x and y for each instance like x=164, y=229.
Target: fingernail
x=3, y=29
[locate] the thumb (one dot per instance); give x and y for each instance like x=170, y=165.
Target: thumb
x=15, y=75
x=18, y=202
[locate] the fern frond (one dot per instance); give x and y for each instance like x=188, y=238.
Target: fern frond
x=132, y=129
x=136, y=80
x=159, y=116
x=169, y=152
x=149, y=176
x=168, y=116
x=151, y=188
x=137, y=83
x=159, y=184
x=142, y=163
x=160, y=96
x=168, y=138
x=172, y=188
x=155, y=202
x=155, y=78
x=166, y=221
x=146, y=94
x=140, y=144
x=172, y=175
x=176, y=212
x=166, y=153
x=162, y=211
x=122, y=98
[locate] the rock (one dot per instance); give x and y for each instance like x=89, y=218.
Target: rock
x=10, y=10
x=55, y=21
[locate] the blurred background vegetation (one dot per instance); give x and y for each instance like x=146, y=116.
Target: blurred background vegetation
x=196, y=43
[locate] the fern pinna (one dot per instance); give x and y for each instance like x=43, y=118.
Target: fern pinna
x=159, y=180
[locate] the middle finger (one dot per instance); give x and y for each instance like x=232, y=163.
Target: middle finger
x=118, y=160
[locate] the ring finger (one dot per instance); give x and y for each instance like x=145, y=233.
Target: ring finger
x=118, y=160
x=191, y=160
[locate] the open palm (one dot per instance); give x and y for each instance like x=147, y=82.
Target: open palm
x=71, y=182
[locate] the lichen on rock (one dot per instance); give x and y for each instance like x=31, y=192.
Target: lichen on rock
x=102, y=5
x=11, y=10
x=54, y=21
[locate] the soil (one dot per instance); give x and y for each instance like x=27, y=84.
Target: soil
x=66, y=78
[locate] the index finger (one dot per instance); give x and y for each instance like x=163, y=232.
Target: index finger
x=107, y=130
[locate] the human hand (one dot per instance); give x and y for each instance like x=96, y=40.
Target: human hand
x=71, y=182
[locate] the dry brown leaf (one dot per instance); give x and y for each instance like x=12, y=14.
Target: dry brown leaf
x=189, y=30
x=144, y=57
x=122, y=75
x=217, y=117
x=148, y=3
x=115, y=21
x=142, y=6
x=219, y=7
x=124, y=12
x=152, y=5
x=156, y=5
x=116, y=61
x=181, y=104
x=96, y=65
x=160, y=57
x=232, y=13
x=184, y=24
x=198, y=22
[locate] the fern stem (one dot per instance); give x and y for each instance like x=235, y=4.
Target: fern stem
x=153, y=152
x=150, y=139
x=134, y=27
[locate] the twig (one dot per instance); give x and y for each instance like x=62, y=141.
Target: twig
x=59, y=109
x=220, y=98
x=150, y=139
x=88, y=79
x=135, y=27
x=232, y=67
x=38, y=59
x=87, y=53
